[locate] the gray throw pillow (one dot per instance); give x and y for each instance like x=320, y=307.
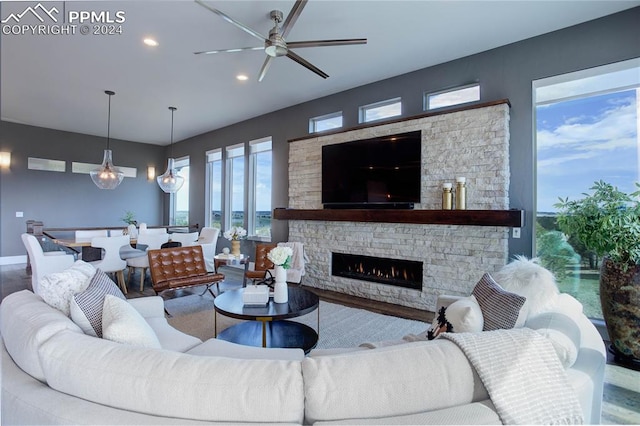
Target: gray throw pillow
x=86, y=307
x=500, y=308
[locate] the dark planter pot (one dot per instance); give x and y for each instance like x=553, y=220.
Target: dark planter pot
x=620, y=298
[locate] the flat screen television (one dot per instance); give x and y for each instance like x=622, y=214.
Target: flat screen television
x=382, y=172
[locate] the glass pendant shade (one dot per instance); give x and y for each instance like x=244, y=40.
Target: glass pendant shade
x=170, y=181
x=107, y=176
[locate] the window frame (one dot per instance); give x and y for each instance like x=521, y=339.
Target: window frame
x=362, y=110
x=427, y=95
x=229, y=184
x=209, y=155
x=313, y=122
x=179, y=164
x=256, y=147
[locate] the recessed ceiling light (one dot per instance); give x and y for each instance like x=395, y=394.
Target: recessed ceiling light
x=242, y=77
x=150, y=42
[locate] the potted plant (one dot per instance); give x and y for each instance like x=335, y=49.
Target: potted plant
x=130, y=219
x=608, y=223
x=281, y=258
x=234, y=234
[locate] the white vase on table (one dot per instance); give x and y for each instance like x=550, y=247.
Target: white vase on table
x=280, y=289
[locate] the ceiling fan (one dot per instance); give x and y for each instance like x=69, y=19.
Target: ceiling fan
x=276, y=45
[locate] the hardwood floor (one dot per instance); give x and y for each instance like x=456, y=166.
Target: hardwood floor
x=621, y=398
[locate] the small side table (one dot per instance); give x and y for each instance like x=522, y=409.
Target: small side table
x=226, y=259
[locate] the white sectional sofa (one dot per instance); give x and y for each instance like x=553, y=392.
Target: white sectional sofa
x=53, y=373
x=79, y=352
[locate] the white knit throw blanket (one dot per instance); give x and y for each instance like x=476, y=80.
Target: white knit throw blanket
x=523, y=375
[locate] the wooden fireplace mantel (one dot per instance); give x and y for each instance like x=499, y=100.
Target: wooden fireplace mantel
x=508, y=218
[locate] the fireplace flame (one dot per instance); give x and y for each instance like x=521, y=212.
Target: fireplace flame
x=385, y=270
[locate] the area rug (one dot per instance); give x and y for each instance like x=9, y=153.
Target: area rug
x=340, y=326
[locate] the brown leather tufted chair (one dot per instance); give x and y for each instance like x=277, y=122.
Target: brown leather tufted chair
x=262, y=263
x=180, y=267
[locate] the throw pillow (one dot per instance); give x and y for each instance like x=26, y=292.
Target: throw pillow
x=123, y=324
x=57, y=288
x=500, y=308
x=462, y=316
x=86, y=306
x=528, y=278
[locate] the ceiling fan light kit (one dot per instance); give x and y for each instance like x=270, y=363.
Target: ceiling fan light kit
x=276, y=45
x=170, y=181
x=107, y=176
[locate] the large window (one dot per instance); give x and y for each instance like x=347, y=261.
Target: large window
x=259, y=220
x=239, y=188
x=179, y=212
x=380, y=110
x=214, y=188
x=235, y=186
x=586, y=127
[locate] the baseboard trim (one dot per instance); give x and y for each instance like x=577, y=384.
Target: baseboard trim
x=13, y=260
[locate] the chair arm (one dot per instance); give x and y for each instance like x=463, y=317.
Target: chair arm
x=148, y=307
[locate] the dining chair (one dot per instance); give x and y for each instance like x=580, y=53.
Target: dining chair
x=111, y=262
x=258, y=269
x=44, y=262
x=151, y=242
x=90, y=254
x=144, y=230
x=184, y=238
x=208, y=239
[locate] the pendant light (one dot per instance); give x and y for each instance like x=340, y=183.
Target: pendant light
x=107, y=176
x=171, y=181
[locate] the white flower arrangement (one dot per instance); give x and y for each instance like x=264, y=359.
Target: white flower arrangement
x=281, y=256
x=235, y=233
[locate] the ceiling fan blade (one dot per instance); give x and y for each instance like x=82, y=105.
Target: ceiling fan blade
x=292, y=17
x=232, y=21
x=323, y=43
x=307, y=64
x=240, y=49
x=265, y=67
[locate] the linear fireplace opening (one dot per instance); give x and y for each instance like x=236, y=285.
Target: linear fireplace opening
x=397, y=272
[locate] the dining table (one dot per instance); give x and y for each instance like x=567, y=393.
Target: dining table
x=126, y=251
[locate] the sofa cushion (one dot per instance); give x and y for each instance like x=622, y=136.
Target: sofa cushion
x=57, y=288
x=500, y=308
x=562, y=331
x=123, y=324
x=26, y=322
x=391, y=381
x=171, y=384
x=86, y=306
x=462, y=316
x=217, y=347
x=529, y=279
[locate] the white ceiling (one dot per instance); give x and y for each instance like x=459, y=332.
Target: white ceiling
x=58, y=81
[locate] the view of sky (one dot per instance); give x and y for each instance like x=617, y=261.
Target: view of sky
x=586, y=139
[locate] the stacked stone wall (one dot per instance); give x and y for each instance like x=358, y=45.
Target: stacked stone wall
x=472, y=143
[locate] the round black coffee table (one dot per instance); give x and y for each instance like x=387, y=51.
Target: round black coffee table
x=266, y=326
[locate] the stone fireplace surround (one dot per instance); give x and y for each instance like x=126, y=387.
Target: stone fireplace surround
x=472, y=142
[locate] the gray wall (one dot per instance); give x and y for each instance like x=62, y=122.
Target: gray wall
x=63, y=200
x=505, y=72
